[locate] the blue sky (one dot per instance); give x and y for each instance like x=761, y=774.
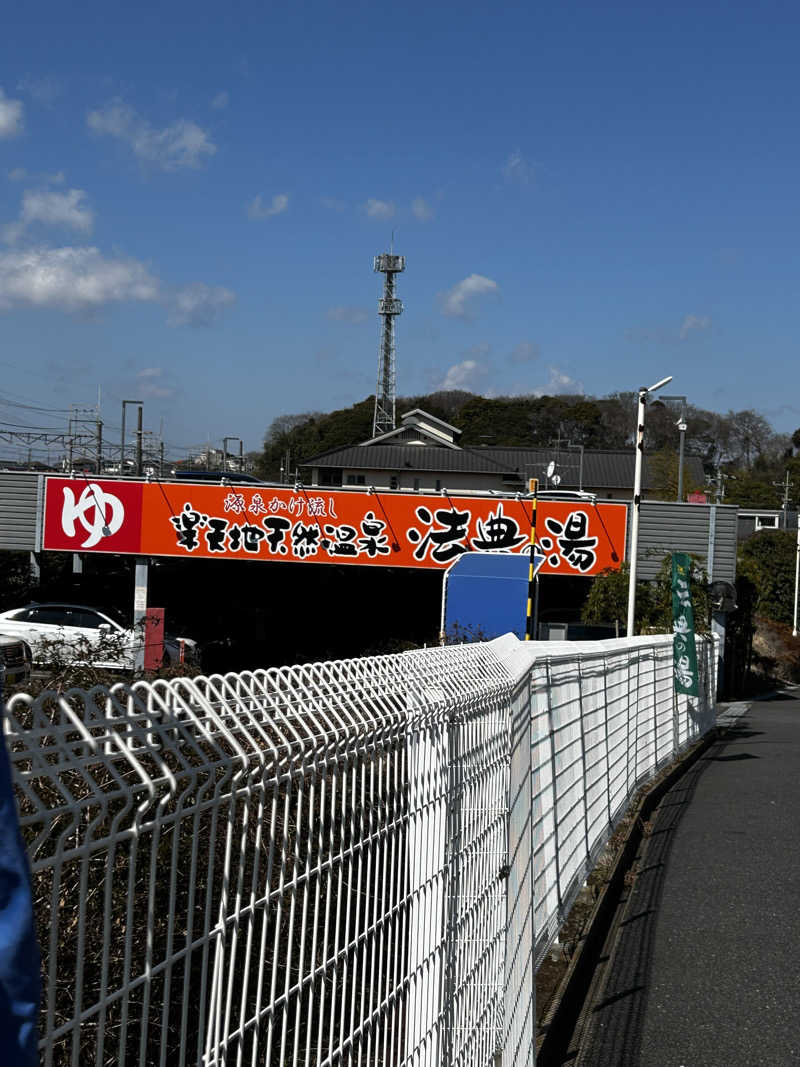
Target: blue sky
x=589, y=197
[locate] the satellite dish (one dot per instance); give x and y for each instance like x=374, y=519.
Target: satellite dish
x=556, y=479
x=550, y=468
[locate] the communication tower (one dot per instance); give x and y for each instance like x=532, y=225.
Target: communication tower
x=389, y=307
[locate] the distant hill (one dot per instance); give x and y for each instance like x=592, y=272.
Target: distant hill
x=739, y=449
x=500, y=421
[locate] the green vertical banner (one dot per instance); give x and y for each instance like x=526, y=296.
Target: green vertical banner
x=684, y=650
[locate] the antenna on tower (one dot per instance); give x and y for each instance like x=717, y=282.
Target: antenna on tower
x=389, y=307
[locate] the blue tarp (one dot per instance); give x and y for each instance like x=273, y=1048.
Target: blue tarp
x=19, y=951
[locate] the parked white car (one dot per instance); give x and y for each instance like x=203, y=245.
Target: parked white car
x=74, y=629
x=15, y=659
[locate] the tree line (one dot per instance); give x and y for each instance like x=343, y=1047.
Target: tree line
x=746, y=462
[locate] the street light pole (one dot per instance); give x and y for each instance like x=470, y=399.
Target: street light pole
x=637, y=499
x=796, y=576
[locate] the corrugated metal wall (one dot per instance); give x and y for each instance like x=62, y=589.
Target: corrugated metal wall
x=671, y=527
x=20, y=494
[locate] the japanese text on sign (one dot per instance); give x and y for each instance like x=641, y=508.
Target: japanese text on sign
x=328, y=526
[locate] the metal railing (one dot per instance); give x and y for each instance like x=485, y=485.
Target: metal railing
x=348, y=863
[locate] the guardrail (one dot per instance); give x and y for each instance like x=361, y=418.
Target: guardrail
x=348, y=863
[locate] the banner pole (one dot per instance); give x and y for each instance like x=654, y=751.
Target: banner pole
x=529, y=634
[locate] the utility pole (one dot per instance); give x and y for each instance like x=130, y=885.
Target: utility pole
x=719, y=484
x=139, y=442
x=99, y=446
x=122, y=439
x=225, y=452
x=681, y=424
x=786, y=486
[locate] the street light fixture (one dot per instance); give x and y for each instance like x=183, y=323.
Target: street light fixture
x=637, y=497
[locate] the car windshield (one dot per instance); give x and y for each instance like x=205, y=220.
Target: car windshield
x=89, y=616
x=117, y=615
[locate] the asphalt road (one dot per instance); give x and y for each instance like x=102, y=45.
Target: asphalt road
x=704, y=969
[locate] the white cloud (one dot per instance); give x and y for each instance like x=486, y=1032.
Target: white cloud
x=668, y=335
x=181, y=144
x=220, y=101
x=11, y=120
x=150, y=391
x=459, y=301
x=84, y=280
x=44, y=90
x=198, y=304
x=517, y=169
x=421, y=209
x=19, y=174
x=464, y=375
x=694, y=322
x=147, y=386
x=379, y=209
x=333, y=204
x=558, y=383
x=72, y=279
x=470, y=372
x=352, y=315
x=257, y=209
x=68, y=209
x=524, y=352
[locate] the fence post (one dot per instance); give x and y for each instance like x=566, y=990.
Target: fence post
x=586, y=845
x=554, y=770
x=519, y=986
x=427, y=751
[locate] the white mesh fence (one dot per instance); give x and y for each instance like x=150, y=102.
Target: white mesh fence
x=605, y=719
x=348, y=863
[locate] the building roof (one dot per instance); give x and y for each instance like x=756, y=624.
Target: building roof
x=612, y=469
x=418, y=423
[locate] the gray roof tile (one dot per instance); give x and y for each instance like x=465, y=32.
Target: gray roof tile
x=611, y=469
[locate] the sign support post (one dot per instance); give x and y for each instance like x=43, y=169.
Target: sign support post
x=140, y=608
x=529, y=634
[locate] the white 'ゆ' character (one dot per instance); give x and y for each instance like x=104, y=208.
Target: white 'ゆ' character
x=108, y=513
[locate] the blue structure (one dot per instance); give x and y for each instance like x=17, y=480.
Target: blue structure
x=19, y=952
x=486, y=595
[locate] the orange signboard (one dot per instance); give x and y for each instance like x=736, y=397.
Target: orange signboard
x=320, y=525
